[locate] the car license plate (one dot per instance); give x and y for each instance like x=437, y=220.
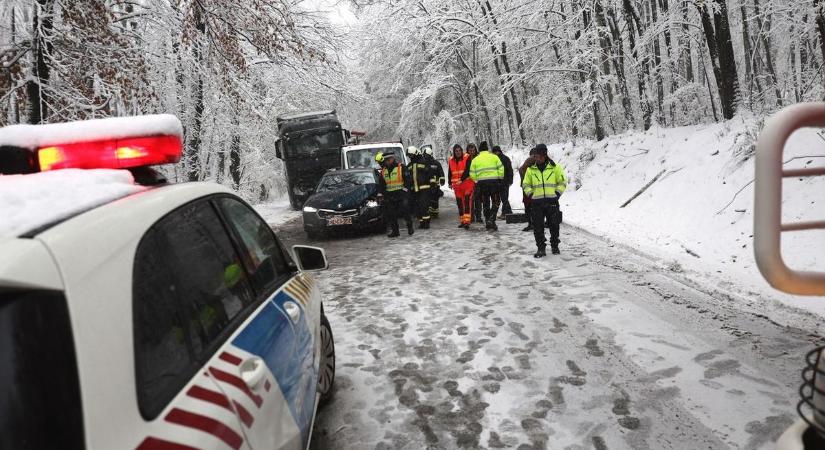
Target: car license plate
x=338, y=220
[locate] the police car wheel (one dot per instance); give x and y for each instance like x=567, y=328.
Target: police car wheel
x=326, y=375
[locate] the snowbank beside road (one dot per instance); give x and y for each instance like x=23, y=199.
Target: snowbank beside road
x=691, y=217
x=277, y=212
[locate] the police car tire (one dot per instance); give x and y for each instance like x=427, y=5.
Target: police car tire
x=326, y=370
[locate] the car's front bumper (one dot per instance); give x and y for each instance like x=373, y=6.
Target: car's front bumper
x=362, y=218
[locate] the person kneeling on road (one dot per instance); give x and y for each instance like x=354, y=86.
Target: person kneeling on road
x=544, y=183
x=394, y=192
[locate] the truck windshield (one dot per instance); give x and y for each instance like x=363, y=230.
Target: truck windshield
x=365, y=157
x=39, y=387
x=308, y=145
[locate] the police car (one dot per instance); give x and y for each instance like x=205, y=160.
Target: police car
x=140, y=314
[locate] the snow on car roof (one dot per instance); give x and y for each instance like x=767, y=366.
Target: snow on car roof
x=374, y=145
x=29, y=202
x=37, y=136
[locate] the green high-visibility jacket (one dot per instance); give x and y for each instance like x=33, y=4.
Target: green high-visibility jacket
x=549, y=183
x=485, y=167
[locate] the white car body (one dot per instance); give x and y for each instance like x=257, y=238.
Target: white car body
x=90, y=258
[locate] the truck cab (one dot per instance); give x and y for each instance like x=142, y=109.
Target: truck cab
x=310, y=144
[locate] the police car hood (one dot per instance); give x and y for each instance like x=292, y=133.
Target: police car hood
x=345, y=198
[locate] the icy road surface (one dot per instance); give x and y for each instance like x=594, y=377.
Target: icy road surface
x=454, y=338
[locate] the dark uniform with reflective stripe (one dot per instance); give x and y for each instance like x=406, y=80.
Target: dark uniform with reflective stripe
x=394, y=187
x=421, y=186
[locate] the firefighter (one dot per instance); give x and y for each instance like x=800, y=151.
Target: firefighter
x=436, y=180
x=420, y=186
x=462, y=187
x=475, y=211
x=487, y=172
x=545, y=182
x=506, y=183
x=525, y=199
x=393, y=192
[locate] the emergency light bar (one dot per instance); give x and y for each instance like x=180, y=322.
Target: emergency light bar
x=111, y=154
x=114, y=143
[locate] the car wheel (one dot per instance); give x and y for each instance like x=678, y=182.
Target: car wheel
x=326, y=370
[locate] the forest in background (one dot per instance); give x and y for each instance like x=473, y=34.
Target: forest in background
x=509, y=71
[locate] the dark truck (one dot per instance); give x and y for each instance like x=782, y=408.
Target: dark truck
x=310, y=144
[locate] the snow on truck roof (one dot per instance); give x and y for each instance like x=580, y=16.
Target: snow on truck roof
x=37, y=136
x=297, y=116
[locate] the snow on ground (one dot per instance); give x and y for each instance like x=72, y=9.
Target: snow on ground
x=684, y=218
x=31, y=201
x=277, y=212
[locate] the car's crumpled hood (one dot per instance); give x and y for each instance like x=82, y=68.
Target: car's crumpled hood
x=343, y=199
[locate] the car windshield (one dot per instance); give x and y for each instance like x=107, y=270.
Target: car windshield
x=311, y=144
x=365, y=157
x=334, y=181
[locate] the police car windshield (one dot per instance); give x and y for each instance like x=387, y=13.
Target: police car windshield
x=365, y=157
x=334, y=181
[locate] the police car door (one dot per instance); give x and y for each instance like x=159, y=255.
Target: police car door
x=275, y=351
x=190, y=295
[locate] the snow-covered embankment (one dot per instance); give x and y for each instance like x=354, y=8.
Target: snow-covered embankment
x=691, y=217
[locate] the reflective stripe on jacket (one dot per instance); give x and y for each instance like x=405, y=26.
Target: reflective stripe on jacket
x=486, y=166
x=393, y=178
x=457, y=169
x=420, y=176
x=539, y=184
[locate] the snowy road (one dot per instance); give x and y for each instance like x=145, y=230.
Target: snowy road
x=461, y=339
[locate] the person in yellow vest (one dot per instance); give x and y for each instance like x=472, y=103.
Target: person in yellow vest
x=394, y=192
x=544, y=183
x=420, y=186
x=487, y=172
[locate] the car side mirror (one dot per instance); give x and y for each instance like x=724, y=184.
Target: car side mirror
x=310, y=259
x=278, y=152
x=768, y=226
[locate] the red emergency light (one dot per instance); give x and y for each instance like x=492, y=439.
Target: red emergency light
x=111, y=154
x=358, y=133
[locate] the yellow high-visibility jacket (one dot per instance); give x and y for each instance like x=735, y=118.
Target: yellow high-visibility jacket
x=549, y=183
x=486, y=166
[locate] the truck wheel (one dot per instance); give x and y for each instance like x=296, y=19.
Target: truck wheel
x=326, y=369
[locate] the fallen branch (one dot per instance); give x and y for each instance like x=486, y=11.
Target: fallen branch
x=643, y=189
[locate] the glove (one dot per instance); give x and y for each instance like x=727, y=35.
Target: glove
x=558, y=194
x=405, y=190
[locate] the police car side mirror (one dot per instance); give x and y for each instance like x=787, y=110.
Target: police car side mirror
x=768, y=226
x=310, y=259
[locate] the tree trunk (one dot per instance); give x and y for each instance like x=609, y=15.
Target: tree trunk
x=594, y=104
x=634, y=28
x=687, y=58
x=42, y=26
x=720, y=47
x=194, y=147
x=746, y=43
x=820, y=27
x=764, y=34
x=618, y=65
x=657, y=61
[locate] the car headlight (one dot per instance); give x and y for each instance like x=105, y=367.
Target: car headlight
x=310, y=209
x=372, y=204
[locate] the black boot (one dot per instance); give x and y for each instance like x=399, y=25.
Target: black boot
x=410, y=229
x=493, y=226
x=488, y=225
x=540, y=253
x=427, y=224
x=528, y=228
x=555, y=249
x=461, y=225
x=394, y=234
